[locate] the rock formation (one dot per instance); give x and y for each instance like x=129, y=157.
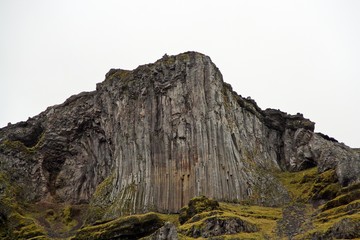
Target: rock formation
x=152, y=138
x=164, y=133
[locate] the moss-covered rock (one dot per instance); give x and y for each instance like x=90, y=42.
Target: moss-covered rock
x=13, y=222
x=311, y=185
x=166, y=232
x=131, y=227
x=341, y=200
x=100, y=202
x=22, y=227
x=195, y=206
x=346, y=228
x=325, y=186
x=219, y=224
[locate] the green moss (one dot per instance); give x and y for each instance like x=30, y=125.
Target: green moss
x=28, y=232
x=197, y=205
x=341, y=200
x=298, y=183
x=95, y=214
x=168, y=60
x=39, y=238
x=14, y=145
x=100, y=202
x=242, y=236
x=305, y=186
x=255, y=212
x=9, y=193
x=173, y=218
x=38, y=144
x=309, y=185
x=327, y=221
x=203, y=223
x=184, y=57
x=337, y=212
x=59, y=219
x=21, y=227
x=325, y=186
x=328, y=191
x=350, y=188
x=20, y=146
x=265, y=217
x=203, y=215
x=67, y=213
x=329, y=229
x=131, y=227
x=126, y=202
x=122, y=74
x=123, y=204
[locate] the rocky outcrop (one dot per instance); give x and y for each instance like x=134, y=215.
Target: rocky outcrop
x=344, y=229
x=61, y=154
x=131, y=227
x=197, y=205
x=216, y=226
x=155, y=137
x=166, y=232
x=203, y=217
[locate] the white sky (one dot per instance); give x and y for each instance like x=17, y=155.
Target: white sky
x=296, y=56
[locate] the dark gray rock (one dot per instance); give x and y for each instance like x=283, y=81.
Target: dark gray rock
x=346, y=228
x=164, y=133
x=166, y=232
x=216, y=226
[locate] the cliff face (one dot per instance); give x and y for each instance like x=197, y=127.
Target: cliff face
x=154, y=137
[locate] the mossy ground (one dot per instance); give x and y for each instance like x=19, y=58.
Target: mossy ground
x=317, y=198
x=197, y=205
x=264, y=217
x=16, y=223
x=327, y=202
x=310, y=186
x=59, y=220
x=186, y=229
x=22, y=220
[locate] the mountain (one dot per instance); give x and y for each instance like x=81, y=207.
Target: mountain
x=152, y=139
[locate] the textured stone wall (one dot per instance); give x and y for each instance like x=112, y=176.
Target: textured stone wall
x=183, y=134
x=160, y=135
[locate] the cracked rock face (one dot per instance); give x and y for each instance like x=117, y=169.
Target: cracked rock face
x=160, y=135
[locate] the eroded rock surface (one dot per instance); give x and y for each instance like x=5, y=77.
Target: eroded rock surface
x=166, y=232
x=158, y=136
x=216, y=226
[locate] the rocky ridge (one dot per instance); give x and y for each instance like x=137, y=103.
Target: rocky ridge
x=155, y=137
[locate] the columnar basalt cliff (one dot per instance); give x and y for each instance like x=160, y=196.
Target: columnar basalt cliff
x=154, y=137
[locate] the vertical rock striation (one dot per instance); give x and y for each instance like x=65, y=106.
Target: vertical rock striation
x=154, y=137
x=180, y=132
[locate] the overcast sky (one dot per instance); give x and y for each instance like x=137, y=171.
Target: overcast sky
x=296, y=56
